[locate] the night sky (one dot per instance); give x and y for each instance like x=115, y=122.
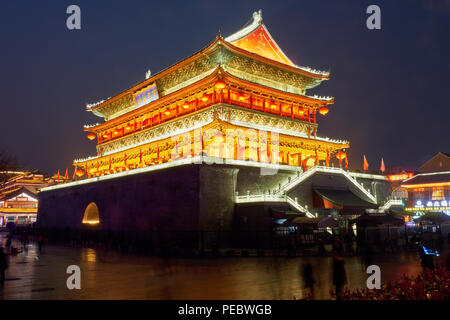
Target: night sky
x=391, y=86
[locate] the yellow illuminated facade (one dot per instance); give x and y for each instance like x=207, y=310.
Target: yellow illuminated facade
x=239, y=98
x=428, y=192
x=18, y=197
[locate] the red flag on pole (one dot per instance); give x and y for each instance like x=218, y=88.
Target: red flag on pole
x=366, y=164
x=67, y=174
x=74, y=172
x=58, y=175
x=382, y=167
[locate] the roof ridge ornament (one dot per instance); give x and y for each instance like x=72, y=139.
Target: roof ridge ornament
x=257, y=17
x=246, y=30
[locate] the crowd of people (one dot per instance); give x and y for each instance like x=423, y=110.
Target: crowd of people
x=10, y=249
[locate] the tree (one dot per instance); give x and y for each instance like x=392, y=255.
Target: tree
x=8, y=163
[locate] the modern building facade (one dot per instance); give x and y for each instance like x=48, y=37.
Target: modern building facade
x=429, y=191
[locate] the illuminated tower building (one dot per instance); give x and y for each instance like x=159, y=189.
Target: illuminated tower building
x=244, y=81
x=185, y=147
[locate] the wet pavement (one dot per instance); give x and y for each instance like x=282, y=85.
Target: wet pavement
x=112, y=275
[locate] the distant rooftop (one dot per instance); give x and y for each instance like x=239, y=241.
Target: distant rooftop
x=428, y=178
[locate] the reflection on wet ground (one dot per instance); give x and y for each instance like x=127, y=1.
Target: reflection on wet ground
x=111, y=275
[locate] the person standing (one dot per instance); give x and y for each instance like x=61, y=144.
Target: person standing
x=339, y=277
x=9, y=240
x=337, y=246
x=3, y=266
x=367, y=254
x=40, y=242
x=308, y=278
x=321, y=247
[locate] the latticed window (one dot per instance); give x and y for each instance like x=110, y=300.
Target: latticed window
x=438, y=194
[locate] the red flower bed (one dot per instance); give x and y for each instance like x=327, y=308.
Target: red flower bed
x=429, y=285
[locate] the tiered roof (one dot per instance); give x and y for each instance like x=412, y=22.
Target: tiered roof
x=428, y=179
x=317, y=102
x=249, y=54
x=256, y=38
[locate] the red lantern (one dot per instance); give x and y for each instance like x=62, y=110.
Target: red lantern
x=79, y=173
x=220, y=84
x=323, y=111
x=91, y=136
x=341, y=155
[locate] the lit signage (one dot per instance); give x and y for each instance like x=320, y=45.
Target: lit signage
x=430, y=205
x=400, y=177
x=146, y=95
x=432, y=208
x=430, y=252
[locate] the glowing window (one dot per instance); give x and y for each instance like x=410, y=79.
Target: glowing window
x=286, y=108
x=91, y=215
x=258, y=102
x=438, y=194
